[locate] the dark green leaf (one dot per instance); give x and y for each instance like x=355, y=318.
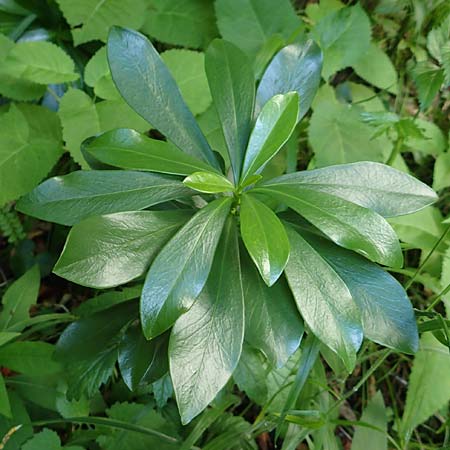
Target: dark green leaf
x=273, y=127
x=347, y=224
x=208, y=182
x=181, y=269
x=324, y=300
x=5, y=407
x=232, y=84
x=148, y=87
x=264, y=237
x=294, y=68
x=106, y=251
x=206, y=342
x=375, y=186
x=20, y=417
x=71, y=198
x=131, y=150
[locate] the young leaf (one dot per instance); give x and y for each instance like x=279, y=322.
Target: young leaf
x=74, y=197
x=200, y=364
x=131, y=150
x=210, y=183
x=324, y=300
x=294, y=68
x=274, y=327
x=106, y=251
x=375, y=186
x=91, y=19
x=232, y=84
x=273, y=127
x=179, y=272
x=347, y=224
x=259, y=226
x=148, y=87
x=5, y=407
x=18, y=298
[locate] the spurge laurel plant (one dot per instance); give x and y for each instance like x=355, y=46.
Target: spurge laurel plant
x=222, y=266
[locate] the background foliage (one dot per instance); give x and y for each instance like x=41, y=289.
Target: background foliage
x=384, y=97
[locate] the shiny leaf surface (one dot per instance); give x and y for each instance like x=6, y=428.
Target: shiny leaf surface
x=208, y=182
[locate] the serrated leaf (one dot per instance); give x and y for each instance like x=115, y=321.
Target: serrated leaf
x=428, y=79
x=249, y=24
x=106, y=251
x=148, y=87
x=232, y=85
x=190, y=23
x=49, y=440
x=81, y=194
x=92, y=19
x=344, y=36
x=324, y=300
x=179, y=272
x=200, y=365
x=259, y=226
x=210, y=183
x=18, y=298
x=188, y=70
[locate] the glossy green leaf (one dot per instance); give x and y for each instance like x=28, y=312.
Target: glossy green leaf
x=5, y=407
x=386, y=312
x=294, y=68
x=375, y=186
x=131, y=150
x=324, y=300
x=347, y=224
x=200, y=363
x=208, y=182
x=272, y=322
x=179, y=272
x=232, y=84
x=74, y=197
x=18, y=298
x=148, y=87
x=140, y=360
x=106, y=251
x=264, y=237
x=273, y=127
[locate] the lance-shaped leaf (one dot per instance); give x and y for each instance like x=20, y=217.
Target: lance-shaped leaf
x=180, y=270
x=232, y=84
x=106, y=251
x=128, y=149
x=324, y=300
x=372, y=185
x=146, y=84
x=210, y=183
x=294, y=68
x=206, y=342
x=273, y=127
x=264, y=237
x=386, y=313
x=71, y=198
x=272, y=322
x=347, y=224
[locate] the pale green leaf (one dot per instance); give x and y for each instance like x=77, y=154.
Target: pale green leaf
x=428, y=79
x=441, y=175
x=208, y=182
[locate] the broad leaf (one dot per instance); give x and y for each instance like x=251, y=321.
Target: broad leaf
x=190, y=23
x=179, y=272
x=148, y=87
x=375, y=186
x=206, y=342
x=106, y=251
x=294, y=68
x=264, y=237
x=324, y=300
x=18, y=298
x=232, y=85
x=49, y=440
x=428, y=79
x=347, y=224
x=140, y=360
x=6, y=336
x=91, y=19
x=272, y=322
x=74, y=197
x=273, y=127
x=129, y=149
x=386, y=313
x=208, y=182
